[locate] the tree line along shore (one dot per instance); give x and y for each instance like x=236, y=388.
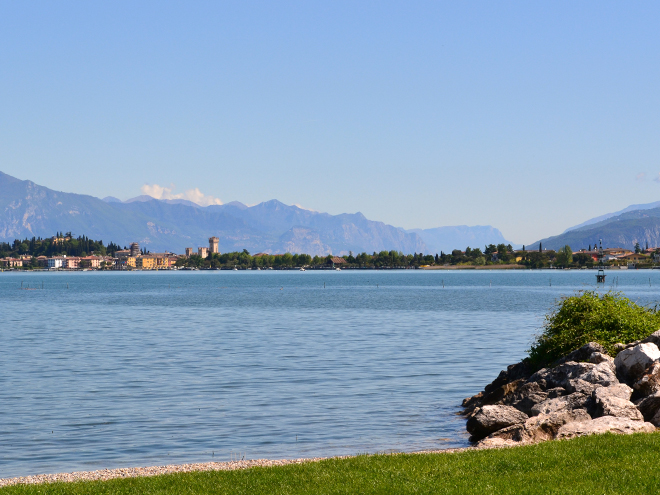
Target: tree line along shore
x=64, y=251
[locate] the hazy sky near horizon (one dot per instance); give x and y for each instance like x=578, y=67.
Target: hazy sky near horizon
x=528, y=116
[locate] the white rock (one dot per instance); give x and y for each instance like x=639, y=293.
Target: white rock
x=620, y=390
x=604, y=424
x=496, y=443
x=632, y=362
x=564, y=403
x=613, y=401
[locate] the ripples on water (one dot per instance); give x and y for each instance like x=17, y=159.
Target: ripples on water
x=146, y=368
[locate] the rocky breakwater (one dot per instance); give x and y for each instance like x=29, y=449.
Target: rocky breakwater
x=585, y=392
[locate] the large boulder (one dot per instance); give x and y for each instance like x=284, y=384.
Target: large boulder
x=496, y=443
x=512, y=373
x=613, y=401
x=649, y=383
x=631, y=363
x=578, y=385
x=559, y=376
x=583, y=353
x=499, y=388
x=650, y=408
x=527, y=397
x=563, y=403
x=488, y=419
x=620, y=390
x=497, y=395
x=604, y=424
x=538, y=428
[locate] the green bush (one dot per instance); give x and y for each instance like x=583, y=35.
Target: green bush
x=591, y=317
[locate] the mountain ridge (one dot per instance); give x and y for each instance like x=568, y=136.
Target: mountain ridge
x=623, y=230
x=29, y=209
x=606, y=216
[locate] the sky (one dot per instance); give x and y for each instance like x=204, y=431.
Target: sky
x=527, y=116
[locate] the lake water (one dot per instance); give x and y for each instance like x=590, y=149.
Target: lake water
x=130, y=369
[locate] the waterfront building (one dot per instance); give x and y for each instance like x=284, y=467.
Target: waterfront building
x=162, y=259
x=213, y=244
x=635, y=258
x=71, y=263
x=147, y=262
x=122, y=253
x=11, y=262
x=55, y=262
x=90, y=262
x=336, y=260
x=129, y=261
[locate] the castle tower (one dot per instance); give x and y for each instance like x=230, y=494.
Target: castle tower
x=189, y=252
x=213, y=244
x=135, y=249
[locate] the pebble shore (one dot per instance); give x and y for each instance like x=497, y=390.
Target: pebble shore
x=109, y=474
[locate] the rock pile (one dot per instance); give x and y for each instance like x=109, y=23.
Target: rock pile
x=585, y=392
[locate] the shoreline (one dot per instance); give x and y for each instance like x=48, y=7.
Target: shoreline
x=148, y=471
x=485, y=267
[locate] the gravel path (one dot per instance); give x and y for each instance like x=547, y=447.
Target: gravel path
x=108, y=474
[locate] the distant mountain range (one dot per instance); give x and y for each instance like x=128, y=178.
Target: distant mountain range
x=607, y=216
x=28, y=209
x=624, y=228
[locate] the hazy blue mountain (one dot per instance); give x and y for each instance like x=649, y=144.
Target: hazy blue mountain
x=32, y=210
x=459, y=237
x=623, y=230
x=236, y=204
x=646, y=206
x=142, y=198
x=111, y=199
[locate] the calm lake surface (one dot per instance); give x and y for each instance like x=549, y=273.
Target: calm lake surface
x=136, y=369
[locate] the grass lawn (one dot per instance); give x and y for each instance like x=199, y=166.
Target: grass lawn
x=597, y=464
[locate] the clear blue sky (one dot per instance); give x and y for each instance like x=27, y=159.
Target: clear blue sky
x=528, y=116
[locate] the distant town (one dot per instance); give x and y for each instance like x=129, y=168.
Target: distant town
x=64, y=252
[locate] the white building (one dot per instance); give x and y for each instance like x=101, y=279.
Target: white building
x=55, y=262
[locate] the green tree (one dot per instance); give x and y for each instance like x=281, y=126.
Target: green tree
x=503, y=253
x=565, y=256
x=638, y=249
